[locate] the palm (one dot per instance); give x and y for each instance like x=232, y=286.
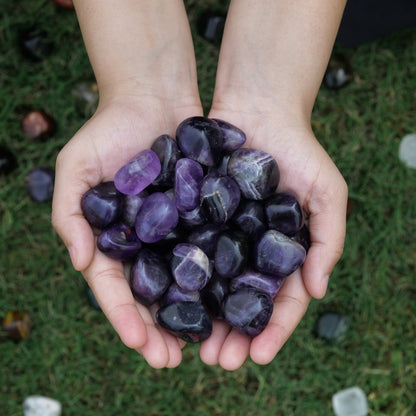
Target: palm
x=111, y=138
x=307, y=170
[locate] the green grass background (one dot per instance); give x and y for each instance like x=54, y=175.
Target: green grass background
x=73, y=354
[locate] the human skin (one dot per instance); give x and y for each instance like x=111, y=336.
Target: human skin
x=267, y=81
x=272, y=60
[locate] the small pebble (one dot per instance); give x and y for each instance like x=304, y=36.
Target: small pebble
x=407, y=150
x=350, y=402
x=41, y=406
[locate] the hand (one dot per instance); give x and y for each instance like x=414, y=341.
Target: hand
x=307, y=170
x=117, y=132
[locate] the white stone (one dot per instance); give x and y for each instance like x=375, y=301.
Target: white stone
x=41, y=406
x=350, y=402
x=407, y=150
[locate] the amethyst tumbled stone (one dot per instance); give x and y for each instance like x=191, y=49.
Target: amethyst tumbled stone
x=214, y=293
x=261, y=282
x=156, y=218
x=220, y=197
x=176, y=294
x=119, y=242
x=233, y=136
x=150, y=277
x=138, y=173
x=102, y=204
x=230, y=254
x=255, y=171
x=248, y=310
x=191, y=267
x=40, y=184
x=188, y=179
x=168, y=152
x=250, y=219
x=186, y=320
x=277, y=254
x=131, y=206
x=200, y=139
x=283, y=213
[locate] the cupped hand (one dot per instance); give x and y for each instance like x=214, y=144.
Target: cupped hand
x=308, y=171
x=116, y=133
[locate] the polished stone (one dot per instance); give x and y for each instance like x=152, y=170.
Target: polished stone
x=259, y=281
x=40, y=184
x=234, y=137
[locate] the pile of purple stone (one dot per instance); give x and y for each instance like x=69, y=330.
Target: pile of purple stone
x=199, y=220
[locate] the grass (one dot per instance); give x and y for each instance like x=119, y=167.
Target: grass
x=74, y=355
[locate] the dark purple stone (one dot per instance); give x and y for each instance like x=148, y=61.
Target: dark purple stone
x=200, y=139
x=284, y=213
x=190, y=266
x=221, y=167
x=255, y=171
x=277, y=254
x=220, y=197
x=250, y=219
x=230, y=254
x=40, y=184
x=7, y=160
x=102, y=204
x=119, y=242
x=156, y=218
x=248, y=310
x=137, y=174
x=234, y=137
x=261, y=282
x=192, y=219
x=176, y=294
x=211, y=26
x=213, y=295
x=303, y=237
x=186, y=320
x=168, y=152
x=131, y=206
x=188, y=179
x=205, y=237
x=150, y=277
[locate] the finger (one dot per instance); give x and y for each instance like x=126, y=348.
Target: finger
x=234, y=351
x=211, y=347
x=107, y=280
x=290, y=305
x=327, y=225
x=67, y=217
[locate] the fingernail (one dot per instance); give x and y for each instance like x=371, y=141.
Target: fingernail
x=72, y=254
x=324, y=284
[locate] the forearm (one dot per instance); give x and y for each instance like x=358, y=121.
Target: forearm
x=278, y=49
x=138, y=45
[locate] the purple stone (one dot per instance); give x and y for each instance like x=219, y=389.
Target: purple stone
x=191, y=267
x=234, y=137
x=221, y=167
x=102, y=204
x=156, y=218
x=261, y=282
x=200, y=139
x=248, y=310
x=186, y=320
x=193, y=218
x=250, y=219
x=137, y=174
x=188, y=179
x=119, y=242
x=220, y=197
x=283, y=213
x=205, y=237
x=150, y=277
x=278, y=255
x=176, y=294
x=213, y=295
x=131, y=206
x=40, y=184
x=303, y=237
x=7, y=160
x=230, y=254
x=168, y=152
x=255, y=171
